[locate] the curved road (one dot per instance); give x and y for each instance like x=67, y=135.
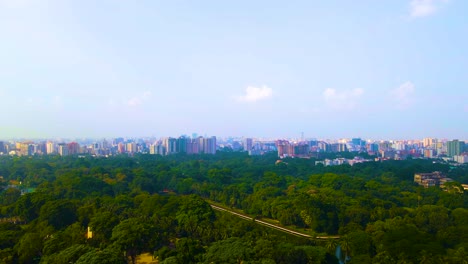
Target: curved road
x=282, y=229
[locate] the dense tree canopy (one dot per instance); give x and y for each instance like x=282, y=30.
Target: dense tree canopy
x=150, y=203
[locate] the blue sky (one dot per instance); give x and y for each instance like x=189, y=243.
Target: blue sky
x=331, y=69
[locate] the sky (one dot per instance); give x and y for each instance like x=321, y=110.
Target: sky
x=391, y=69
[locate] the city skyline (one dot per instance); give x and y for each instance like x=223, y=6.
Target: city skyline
x=335, y=69
x=446, y=150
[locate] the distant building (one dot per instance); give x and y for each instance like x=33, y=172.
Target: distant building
x=455, y=147
x=193, y=147
x=157, y=148
x=431, y=179
x=63, y=149
x=181, y=146
x=429, y=142
x=461, y=158
x=132, y=147
x=372, y=147
x=324, y=146
x=25, y=148
x=170, y=144
x=2, y=148
x=50, y=147
x=73, y=148
x=209, y=145
x=339, y=147
x=248, y=143
x=428, y=153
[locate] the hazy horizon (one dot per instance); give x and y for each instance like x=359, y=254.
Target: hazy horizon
x=332, y=69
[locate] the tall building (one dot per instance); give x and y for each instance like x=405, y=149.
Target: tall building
x=170, y=144
x=193, y=146
x=283, y=148
x=73, y=148
x=428, y=142
x=50, y=147
x=248, y=143
x=358, y=142
x=153, y=149
x=428, y=153
x=131, y=147
x=2, y=147
x=181, y=146
x=25, y=148
x=455, y=147
x=121, y=147
x=324, y=146
x=201, y=144
x=372, y=147
x=339, y=147
x=209, y=145
x=63, y=149
x=41, y=148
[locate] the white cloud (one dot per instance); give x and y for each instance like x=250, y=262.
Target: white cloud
x=342, y=100
x=422, y=8
x=254, y=94
x=139, y=99
x=403, y=95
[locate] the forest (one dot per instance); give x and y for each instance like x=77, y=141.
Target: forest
x=160, y=205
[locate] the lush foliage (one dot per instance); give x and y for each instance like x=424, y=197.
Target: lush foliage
x=157, y=204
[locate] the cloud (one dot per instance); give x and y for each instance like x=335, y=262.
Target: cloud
x=422, y=8
x=254, y=94
x=403, y=95
x=342, y=100
x=139, y=99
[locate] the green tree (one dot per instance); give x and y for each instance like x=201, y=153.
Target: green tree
x=232, y=250
x=29, y=248
x=195, y=216
x=58, y=213
x=131, y=236
x=106, y=256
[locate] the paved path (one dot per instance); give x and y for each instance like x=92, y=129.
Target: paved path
x=282, y=229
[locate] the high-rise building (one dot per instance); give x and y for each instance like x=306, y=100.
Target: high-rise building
x=339, y=147
x=25, y=148
x=193, y=146
x=427, y=142
x=50, y=147
x=428, y=153
x=248, y=143
x=132, y=147
x=385, y=146
x=63, y=149
x=121, y=147
x=209, y=145
x=357, y=142
x=324, y=146
x=181, y=146
x=372, y=147
x=455, y=147
x=170, y=145
x=201, y=144
x=283, y=148
x=2, y=147
x=153, y=149
x=41, y=148
x=73, y=148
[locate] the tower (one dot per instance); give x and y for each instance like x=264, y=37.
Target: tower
x=455, y=147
